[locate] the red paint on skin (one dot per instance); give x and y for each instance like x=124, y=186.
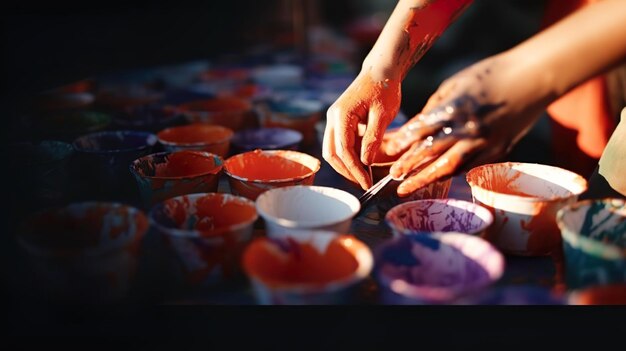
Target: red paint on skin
x=186, y=164
x=306, y=266
x=262, y=166
x=196, y=133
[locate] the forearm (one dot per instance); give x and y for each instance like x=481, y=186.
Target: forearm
x=583, y=45
x=411, y=30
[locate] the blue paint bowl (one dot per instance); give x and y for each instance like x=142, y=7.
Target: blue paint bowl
x=435, y=268
x=594, y=242
x=267, y=139
x=103, y=160
x=515, y=295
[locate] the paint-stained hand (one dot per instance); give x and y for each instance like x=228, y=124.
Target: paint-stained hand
x=475, y=117
x=356, y=123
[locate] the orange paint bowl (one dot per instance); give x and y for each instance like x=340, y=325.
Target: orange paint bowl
x=207, y=233
x=524, y=198
x=307, y=207
x=212, y=138
x=312, y=268
x=254, y=172
x=85, y=252
x=230, y=112
x=168, y=174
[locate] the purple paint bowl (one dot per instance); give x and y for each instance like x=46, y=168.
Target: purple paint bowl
x=515, y=295
x=435, y=268
x=438, y=215
x=103, y=158
x=84, y=252
x=267, y=139
x=152, y=117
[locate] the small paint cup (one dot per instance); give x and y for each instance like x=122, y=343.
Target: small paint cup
x=85, y=252
x=207, y=233
x=524, y=198
x=594, y=242
x=68, y=125
x=296, y=114
x=212, y=138
x=103, y=159
x=440, y=215
x=515, y=295
x=230, y=112
x=151, y=117
x=611, y=294
x=40, y=172
x=313, y=268
x=306, y=207
x=253, y=172
x=168, y=174
x=435, y=268
x=266, y=139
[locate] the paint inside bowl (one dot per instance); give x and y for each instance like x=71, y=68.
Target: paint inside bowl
x=195, y=134
x=180, y=164
x=267, y=166
x=288, y=262
x=266, y=139
x=439, y=215
x=438, y=267
x=204, y=214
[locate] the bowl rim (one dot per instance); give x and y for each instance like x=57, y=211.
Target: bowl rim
x=251, y=147
x=589, y=245
x=365, y=261
x=480, y=211
x=229, y=135
x=215, y=236
x=416, y=292
x=318, y=165
x=528, y=199
x=288, y=223
x=214, y=171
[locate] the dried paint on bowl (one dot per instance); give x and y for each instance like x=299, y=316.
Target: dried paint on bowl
x=212, y=138
x=594, y=242
x=306, y=207
x=314, y=267
x=230, y=112
x=85, y=252
x=524, y=198
x=168, y=174
x=207, y=233
x=253, y=172
x=439, y=215
x=267, y=139
x=435, y=268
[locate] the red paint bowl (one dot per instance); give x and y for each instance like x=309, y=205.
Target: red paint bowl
x=253, y=172
x=524, y=198
x=167, y=174
x=230, y=112
x=85, y=252
x=205, y=137
x=314, y=267
x=207, y=233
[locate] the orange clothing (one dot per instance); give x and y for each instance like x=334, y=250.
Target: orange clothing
x=581, y=120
